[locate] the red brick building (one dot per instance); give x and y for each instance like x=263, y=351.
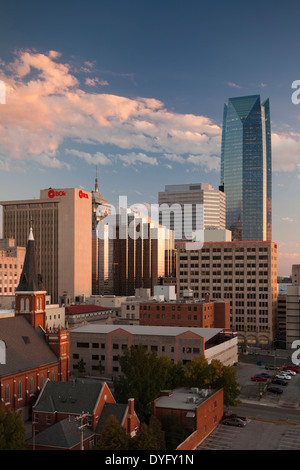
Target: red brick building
x=33, y=354
x=200, y=314
x=71, y=415
x=199, y=411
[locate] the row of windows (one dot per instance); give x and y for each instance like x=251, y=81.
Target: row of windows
x=116, y=346
x=20, y=390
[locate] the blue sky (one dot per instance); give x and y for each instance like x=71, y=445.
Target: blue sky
x=137, y=88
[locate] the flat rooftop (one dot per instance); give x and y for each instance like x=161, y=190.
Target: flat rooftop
x=183, y=398
x=145, y=330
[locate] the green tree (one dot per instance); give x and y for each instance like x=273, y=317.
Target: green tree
x=149, y=437
x=144, y=375
x=100, y=368
x=199, y=373
x=113, y=436
x=81, y=366
x=12, y=431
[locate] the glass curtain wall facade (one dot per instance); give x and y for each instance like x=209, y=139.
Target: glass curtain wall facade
x=246, y=168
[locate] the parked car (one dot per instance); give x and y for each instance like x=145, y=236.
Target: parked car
x=282, y=376
x=233, y=415
x=286, y=373
x=280, y=382
x=276, y=390
x=292, y=367
x=290, y=372
x=271, y=367
x=258, y=379
x=262, y=375
x=234, y=422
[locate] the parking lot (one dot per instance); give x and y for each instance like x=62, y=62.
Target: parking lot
x=251, y=391
x=262, y=434
x=256, y=435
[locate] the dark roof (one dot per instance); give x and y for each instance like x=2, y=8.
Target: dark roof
x=77, y=309
x=74, y=397
x=30, y=280
x=116, y=409
x=26, y=347
x=64, y=434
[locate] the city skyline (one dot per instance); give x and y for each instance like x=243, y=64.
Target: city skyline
x=138, y=91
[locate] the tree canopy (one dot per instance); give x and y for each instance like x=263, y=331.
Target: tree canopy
x=12, y=431
x=145, y=375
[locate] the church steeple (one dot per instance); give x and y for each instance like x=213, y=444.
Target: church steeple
x=30, y=294
x=30, y=280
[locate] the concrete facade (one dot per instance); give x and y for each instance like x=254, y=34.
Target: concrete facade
x=62, y=224
x=94, y=343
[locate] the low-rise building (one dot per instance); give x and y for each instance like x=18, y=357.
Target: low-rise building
x=79, y=314
x=105, y=343
x=203, y=313
x=199, y=411
x=64, y=409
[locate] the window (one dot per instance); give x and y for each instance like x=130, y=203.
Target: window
x=7, y=393
x=31, y=386
x=19, y=390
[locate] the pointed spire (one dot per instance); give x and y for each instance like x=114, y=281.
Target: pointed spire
x=30, y=237
x=30, y=280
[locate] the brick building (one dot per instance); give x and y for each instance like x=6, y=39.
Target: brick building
x=199, y=411
x=199, y=313
x=33, y=354
x=64, y=409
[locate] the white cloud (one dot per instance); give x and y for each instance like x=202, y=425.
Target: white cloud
x=46, y=107
x=233, y=85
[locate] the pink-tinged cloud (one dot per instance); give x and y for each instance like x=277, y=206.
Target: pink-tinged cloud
x=45, y=106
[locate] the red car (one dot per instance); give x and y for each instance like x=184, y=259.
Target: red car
x=259, y=379
x=293, y=367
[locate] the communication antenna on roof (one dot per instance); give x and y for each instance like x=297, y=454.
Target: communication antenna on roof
x=96, y=181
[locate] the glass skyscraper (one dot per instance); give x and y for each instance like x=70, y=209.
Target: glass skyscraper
x=246, y=173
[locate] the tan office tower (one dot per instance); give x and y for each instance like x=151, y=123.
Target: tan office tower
x=62, y=224
x=184, y=220
x=243, y=272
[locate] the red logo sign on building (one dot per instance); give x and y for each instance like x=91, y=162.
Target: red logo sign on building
x=83, y=195
x=52, y=193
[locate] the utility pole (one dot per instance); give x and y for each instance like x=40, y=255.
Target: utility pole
x=82, y=426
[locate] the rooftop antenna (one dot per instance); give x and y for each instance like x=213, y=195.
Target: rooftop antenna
x=96, y=181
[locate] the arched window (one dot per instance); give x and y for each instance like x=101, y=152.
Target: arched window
x=22, y=305
x=27, y=305
x=42, y=380
x=31, y=386
x=19, y=389
x=53, y=375
x=7, y=393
